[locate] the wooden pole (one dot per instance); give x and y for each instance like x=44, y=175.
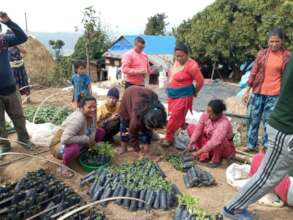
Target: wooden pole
x=213, y=72
x=26, y=27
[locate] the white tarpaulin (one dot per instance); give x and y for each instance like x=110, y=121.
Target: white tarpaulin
x=44, y=135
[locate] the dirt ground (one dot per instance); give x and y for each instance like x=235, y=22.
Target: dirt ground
x=211, y=198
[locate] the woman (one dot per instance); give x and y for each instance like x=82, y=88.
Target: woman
x=181, y=90
x=212, y=136
x=18, y=68
x=79, y=132
x=140, y=113
x=265, y=83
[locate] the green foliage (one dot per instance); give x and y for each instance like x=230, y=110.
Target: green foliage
x=104, y=149
x=47, y=113
x=176, y=161
x=61, y=72
x=139, y=175
x=230, y=32
x=99, y=43
x=57, y=46
x=95, y=39
x=156, y=25
x=192, y=205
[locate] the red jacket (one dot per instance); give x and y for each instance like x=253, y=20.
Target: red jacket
x=257, y=74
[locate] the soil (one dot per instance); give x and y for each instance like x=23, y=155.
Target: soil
x=212, y=199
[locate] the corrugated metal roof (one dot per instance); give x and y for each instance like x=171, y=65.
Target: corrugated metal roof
x=154, y=44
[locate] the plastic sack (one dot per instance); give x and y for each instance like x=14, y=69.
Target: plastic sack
x=44, y=135
x=181, y=139
x=243, y=83
x=237, y=175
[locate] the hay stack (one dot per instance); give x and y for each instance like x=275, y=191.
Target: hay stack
x=38, y=61
x=235, y=105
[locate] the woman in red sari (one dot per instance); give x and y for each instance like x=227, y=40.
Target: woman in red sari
x=181, y=90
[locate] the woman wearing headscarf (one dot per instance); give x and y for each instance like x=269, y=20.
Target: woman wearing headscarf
x=181, y=90
x=18, y=68
x=140, y=112
x=265, y=83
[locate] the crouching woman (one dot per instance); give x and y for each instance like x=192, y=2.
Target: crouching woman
x=212, y=137
x=140, y=113
x=79, y=132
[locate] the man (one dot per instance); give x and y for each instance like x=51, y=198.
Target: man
x=279, y=155
x=107, y=115
x=9, y=96
x=135, y=64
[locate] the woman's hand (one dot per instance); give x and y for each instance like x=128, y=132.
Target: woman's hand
x=245, y=97
x=3, y=17
x=189, y=148
x=197, y=153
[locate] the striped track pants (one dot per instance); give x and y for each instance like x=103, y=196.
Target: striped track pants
x=276, y=164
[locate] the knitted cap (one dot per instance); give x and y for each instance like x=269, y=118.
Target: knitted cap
x=113, y=92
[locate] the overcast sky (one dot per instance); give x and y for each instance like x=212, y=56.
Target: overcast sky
x=122, y=16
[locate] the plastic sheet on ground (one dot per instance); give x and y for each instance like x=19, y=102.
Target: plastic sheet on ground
x=97, y=91
x=191, y=118
x=44, y=135
x=237, y=175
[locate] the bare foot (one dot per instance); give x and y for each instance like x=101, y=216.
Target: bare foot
x=66, y=173
x=123, y=150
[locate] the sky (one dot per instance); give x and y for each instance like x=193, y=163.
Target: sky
x=120, y=16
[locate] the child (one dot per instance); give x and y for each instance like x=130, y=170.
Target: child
x=79, y=132
x=107, y=114
x=81, y=82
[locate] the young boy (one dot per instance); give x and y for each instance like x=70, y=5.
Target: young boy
x=81, y=82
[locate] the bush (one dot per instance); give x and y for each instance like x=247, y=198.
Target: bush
x=61, y=73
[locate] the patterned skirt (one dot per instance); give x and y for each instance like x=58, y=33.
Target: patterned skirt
x=21, y=79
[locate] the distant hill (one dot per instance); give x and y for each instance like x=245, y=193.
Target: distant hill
x=69, y=38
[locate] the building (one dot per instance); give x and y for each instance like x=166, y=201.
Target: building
x=159, y=49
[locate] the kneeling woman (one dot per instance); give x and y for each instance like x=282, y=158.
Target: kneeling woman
x=212, y=136
x=79, y=132
x=140, y=112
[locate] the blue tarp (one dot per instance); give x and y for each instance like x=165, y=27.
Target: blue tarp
x=154, y=44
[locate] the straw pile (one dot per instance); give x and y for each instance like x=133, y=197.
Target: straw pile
x=38, y=61
x=235, y=105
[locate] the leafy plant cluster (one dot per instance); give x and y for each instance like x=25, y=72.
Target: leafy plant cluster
x=192, y=205
x=176, y=161
x=99, y=155
x=104, y=149
x=47, y=113
x=139, y=175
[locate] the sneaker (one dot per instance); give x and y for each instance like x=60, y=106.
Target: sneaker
x=4, y=148
x=243, y=215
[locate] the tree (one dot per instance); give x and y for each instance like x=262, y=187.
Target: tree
x=229, y=33
x=156, y=25
x=95, y=39
x=57, y=47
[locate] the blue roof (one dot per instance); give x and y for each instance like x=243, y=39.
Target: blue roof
x=154, y=44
